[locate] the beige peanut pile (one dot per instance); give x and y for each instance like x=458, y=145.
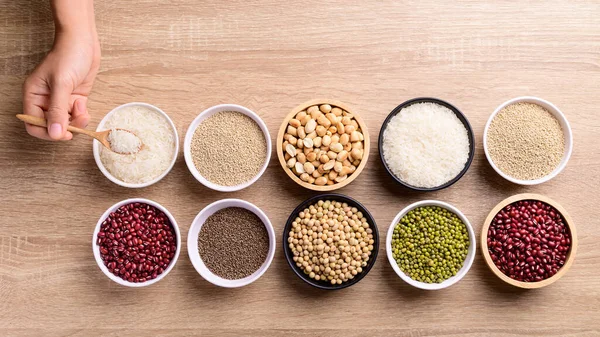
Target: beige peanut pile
x=323, y=145
x=331, y=241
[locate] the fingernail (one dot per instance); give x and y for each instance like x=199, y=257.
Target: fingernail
x=55, y=131
x=80, y=105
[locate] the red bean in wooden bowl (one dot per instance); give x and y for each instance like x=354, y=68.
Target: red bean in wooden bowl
x=529, y=241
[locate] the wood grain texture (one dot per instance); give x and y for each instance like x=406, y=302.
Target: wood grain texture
x=270, y=56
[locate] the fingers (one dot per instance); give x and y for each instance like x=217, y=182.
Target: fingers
x=57, y=116
x=79, y=114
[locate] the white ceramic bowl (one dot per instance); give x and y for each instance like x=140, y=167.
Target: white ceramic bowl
x=187, y=143
x=96, y=248
x=97, y=146
x=468, y=260
x=192, y=243
x=566, y=131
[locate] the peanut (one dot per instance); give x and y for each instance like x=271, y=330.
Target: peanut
x=310, y=126
x=301, y=158
x=295, y=123
x=291, y=162
x=300, y=115
x=321, y=181
x=301, y=132
x=321, y=130
x=344, y=139
x=325, y=108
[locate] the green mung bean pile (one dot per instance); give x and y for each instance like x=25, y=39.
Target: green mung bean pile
x=430, y=244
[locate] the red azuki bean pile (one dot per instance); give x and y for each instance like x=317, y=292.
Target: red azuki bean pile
x=137, y=242
x=528, y=241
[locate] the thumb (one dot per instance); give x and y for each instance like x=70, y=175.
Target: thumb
x=57, y=115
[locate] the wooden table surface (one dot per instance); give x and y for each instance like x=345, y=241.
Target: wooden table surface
x=185, y=56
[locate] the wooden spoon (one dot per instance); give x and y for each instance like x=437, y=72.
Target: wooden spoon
x=101, y=136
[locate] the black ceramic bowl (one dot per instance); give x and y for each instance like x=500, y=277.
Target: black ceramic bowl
x=289, y=255
x=458, y=114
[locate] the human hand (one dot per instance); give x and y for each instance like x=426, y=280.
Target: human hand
x=59, y=87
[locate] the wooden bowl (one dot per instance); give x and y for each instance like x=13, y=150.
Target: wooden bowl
x=570, y=256
x=283, y=128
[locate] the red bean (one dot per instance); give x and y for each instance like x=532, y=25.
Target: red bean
x=124, y=254
x=535, y=247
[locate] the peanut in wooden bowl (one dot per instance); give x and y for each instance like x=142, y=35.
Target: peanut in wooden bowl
x=568, y=222
x=280, y=150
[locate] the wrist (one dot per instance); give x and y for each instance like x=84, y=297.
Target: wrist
x=74, y=19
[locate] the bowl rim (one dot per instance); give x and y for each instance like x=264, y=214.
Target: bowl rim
x=336, y=197
x=190, y=134
x=96, y=147
x=96, y=248
x=461, y=116
x=567, y=132
x=192, y=243
x=568, y=221
x=472, y=251
x=304, y=106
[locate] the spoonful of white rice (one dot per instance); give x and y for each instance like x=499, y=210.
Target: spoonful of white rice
x=117, y=140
